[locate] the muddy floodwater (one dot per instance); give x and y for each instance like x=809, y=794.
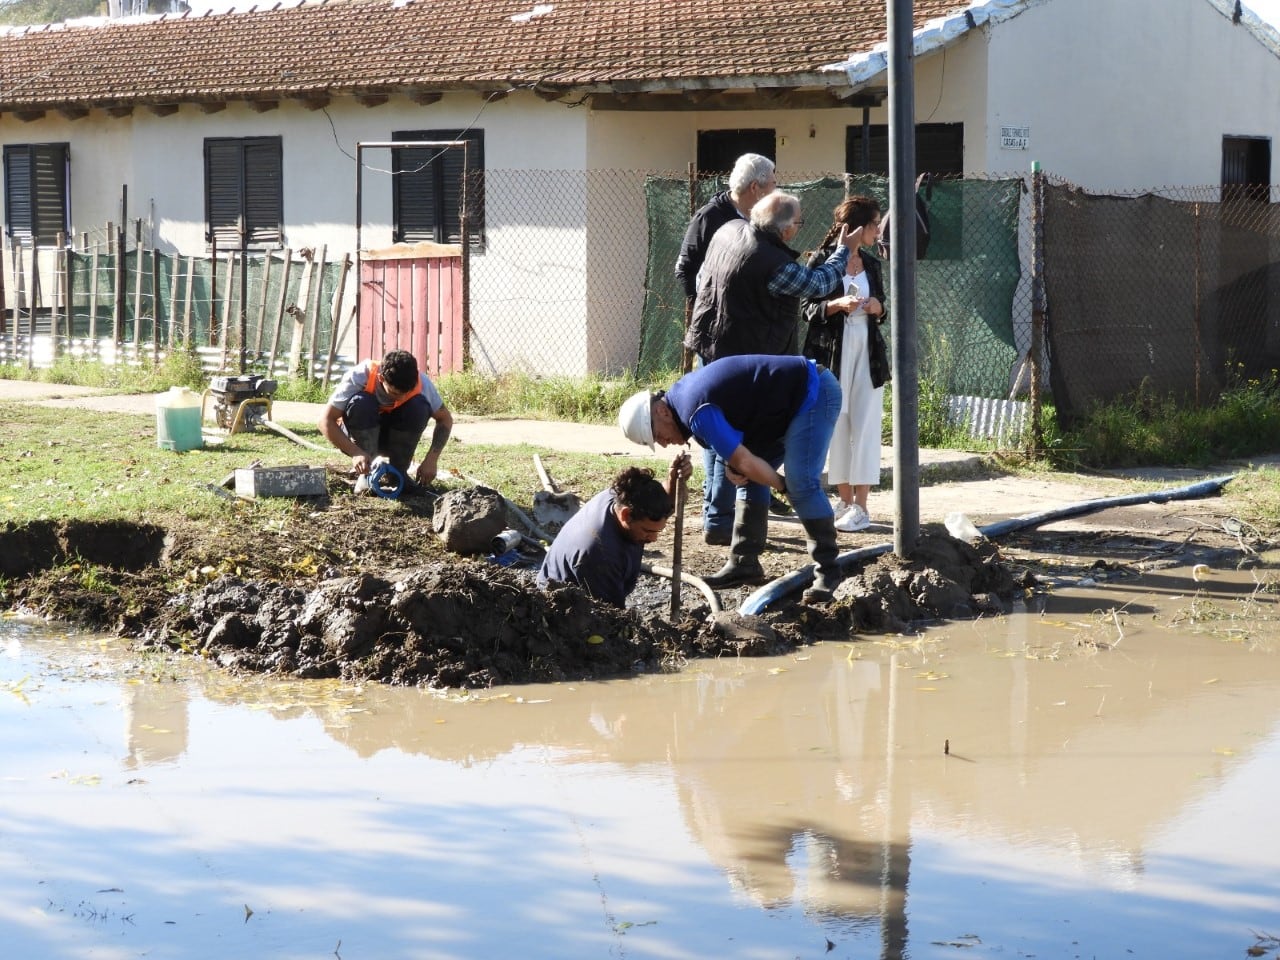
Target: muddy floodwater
x=1096, y=777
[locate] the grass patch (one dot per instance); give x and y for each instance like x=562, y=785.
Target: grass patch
x=68, y=463
x=578, y=399
x=1150, y=430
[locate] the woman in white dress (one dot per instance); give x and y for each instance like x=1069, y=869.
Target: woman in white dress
x=839, y=336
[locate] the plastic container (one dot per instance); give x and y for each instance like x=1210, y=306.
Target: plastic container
x=178, y=420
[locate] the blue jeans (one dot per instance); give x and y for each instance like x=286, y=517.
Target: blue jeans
x=804, y=454
x=717, y=494
x=805, y=450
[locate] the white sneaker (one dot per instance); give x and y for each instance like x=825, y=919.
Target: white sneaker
x=362, y=483
x=853, y=520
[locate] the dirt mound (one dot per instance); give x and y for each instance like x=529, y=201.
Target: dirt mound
x=364, y=590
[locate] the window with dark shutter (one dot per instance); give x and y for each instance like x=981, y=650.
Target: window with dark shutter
x=35, y=191
x=243, y=184
x=428, y=187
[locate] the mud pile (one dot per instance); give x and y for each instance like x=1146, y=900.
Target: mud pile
x=397, y=614
x=447, y=624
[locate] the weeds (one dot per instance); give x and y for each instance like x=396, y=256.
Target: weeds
x=1147, y=429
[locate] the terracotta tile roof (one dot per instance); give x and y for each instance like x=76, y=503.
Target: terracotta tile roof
x=355, y=45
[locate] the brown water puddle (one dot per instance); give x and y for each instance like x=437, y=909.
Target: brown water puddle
x=1096, y=778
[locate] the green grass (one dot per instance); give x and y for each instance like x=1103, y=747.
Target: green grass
x=69, y=463
x=1150, y=430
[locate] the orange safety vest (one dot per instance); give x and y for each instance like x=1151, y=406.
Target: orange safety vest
x=371, y=385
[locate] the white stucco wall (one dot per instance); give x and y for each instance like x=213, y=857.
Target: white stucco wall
x=1131, y=95
x=1122, y=96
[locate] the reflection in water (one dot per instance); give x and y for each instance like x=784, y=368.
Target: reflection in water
x=986, y=786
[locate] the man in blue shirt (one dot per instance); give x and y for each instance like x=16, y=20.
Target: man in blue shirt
x=757, y=412
x=748, y=301
x=600, y=548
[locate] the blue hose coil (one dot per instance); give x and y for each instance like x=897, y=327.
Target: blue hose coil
x=385, y=470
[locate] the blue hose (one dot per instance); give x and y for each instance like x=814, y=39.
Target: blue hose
x=376, y=476
x=801, y=578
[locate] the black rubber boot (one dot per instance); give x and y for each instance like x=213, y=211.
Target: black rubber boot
x=820, y=537
x=750, y=531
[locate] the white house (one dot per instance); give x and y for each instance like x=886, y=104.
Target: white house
x=255, y=118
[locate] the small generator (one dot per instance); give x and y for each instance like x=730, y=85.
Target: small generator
x=238, y=402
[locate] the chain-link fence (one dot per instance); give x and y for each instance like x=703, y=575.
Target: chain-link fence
x=572, y=273
x=966, y=285
x=1172, y=291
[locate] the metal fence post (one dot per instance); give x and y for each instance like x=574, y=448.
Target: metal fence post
x=1037, y=305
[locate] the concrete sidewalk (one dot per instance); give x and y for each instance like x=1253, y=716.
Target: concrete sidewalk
x=602, y=439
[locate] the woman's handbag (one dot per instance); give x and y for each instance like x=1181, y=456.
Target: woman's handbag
x=878, y=354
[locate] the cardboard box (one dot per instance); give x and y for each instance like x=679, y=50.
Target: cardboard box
x=301, y=481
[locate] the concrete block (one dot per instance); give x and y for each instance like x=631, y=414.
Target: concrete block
x=300, y=481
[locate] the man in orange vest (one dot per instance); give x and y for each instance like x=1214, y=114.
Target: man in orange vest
x=382, y=409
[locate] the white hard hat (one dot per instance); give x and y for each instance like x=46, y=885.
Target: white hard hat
x=636, y=419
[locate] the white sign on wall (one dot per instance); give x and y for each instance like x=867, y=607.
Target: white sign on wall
x=1015, y=138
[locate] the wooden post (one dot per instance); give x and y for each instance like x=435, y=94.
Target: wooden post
x=315, y=314
x=299, y=314
x=4, y=306
x=284, y=295
x=155, y=306
x=59, y=240
x=137, y=288
x=262, y=306
x=173, y=300
x=117, y=271
x=335, y=317
x=186, y=304
x=226, y=308
x=35, y=305
x=213, y=292
x=93, y=304
x=15, y=253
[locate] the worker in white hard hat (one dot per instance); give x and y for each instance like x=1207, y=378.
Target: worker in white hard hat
x=758, y=412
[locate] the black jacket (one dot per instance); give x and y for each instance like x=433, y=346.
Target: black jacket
x=709, y=218
x=823, y=341
x=735, y=313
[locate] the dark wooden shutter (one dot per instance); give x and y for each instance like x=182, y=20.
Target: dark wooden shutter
x=263, y=186
x=17, y=190
x=939, y=148
x=414, y=192
x=35, y=190
x=49, y=190
x=223, y=188
x=427, y=189
x=243, y=180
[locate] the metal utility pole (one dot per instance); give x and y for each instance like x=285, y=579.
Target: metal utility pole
x=902, y=273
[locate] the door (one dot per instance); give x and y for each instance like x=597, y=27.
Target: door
x=411, y=299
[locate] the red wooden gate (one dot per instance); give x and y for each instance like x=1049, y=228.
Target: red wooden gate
x=411, y=299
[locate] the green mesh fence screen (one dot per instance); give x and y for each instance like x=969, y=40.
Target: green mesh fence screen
x=965, y=287
x=197, y=301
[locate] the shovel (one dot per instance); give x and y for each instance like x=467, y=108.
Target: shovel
x=550, y=506
x=677, y=549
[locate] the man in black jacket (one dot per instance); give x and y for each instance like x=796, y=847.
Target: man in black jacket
x=753, y=177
